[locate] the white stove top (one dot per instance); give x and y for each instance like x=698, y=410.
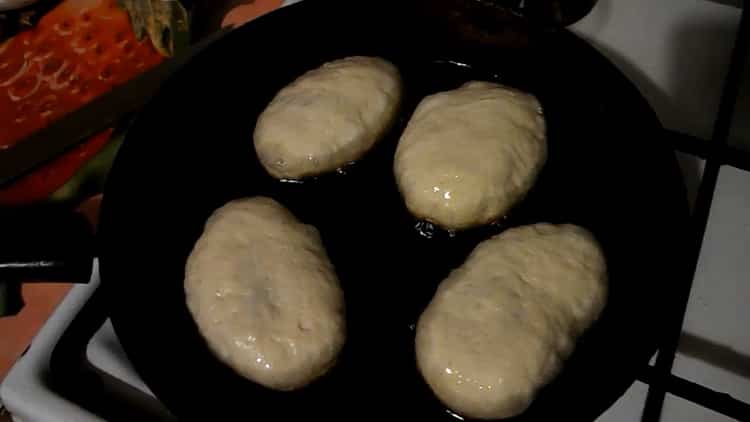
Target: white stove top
x=677, y=52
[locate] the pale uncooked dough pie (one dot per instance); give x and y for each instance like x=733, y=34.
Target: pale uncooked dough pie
x=264, y=294
x=501, y=325
x=468, y=155
x=328, y=117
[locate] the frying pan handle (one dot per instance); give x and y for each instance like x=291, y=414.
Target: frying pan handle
x=50, y=245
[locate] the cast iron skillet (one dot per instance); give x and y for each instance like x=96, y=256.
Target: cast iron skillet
x=191, y=151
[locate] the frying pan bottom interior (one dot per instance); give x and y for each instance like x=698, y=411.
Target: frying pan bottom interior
x=190, y=151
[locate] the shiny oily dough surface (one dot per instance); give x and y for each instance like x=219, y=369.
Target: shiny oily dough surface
x=468, y=155
x=500, y=326
x=264, y=294
x=328, y=117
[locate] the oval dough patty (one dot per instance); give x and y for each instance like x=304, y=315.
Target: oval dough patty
x=328, y=117
x=468, y=155
x=500, y=326
x=264, y=294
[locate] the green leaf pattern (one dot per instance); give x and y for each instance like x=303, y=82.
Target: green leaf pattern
x=166, y=23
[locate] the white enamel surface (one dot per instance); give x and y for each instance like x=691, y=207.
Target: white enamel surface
x=677, y=53
x=715, y=348
x=25, y=391
x=629, y=407
x=106, y=353
x=678, y=410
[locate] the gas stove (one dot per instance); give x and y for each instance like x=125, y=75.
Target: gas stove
x=686, y=57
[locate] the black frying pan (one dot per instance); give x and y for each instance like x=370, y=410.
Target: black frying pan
x=190, y=151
